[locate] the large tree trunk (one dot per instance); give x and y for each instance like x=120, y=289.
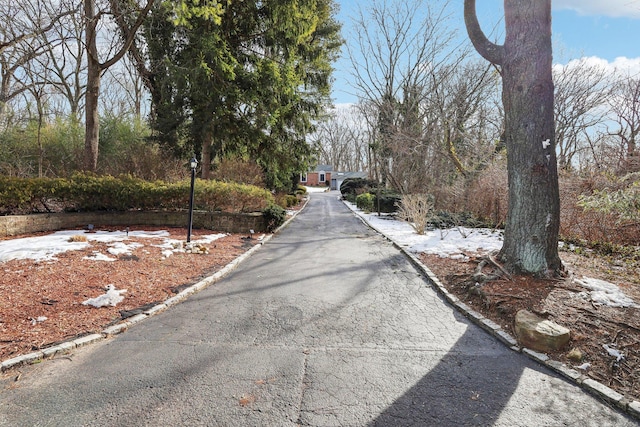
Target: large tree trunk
x=92, y=120
x=533, y=217
x=207, y=144
x=95, y=68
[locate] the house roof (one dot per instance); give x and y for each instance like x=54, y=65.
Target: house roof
x=345, y=175
x=324, y=168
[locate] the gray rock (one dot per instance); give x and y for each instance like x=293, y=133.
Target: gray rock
x=540, y=334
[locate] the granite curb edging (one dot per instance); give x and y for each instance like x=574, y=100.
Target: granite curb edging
x=120, y=327
x=628, y=406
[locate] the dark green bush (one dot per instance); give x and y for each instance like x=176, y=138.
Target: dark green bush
x=365, y=202
x=388, y=202
x=274, y=216
x=292, y=200
x=29, y=195
x=286, y=200
x=352, y=187
x=89, y=192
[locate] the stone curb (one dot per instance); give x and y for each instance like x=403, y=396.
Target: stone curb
x=630, y=407
x=122, y=326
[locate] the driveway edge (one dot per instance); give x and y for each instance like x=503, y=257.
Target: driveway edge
x=595, y=388
x=120, y=327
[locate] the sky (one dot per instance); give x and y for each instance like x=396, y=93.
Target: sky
x=606, y=30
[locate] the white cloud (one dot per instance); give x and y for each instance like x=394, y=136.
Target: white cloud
x=623, y=65
x=613, y=8
x=627, y=65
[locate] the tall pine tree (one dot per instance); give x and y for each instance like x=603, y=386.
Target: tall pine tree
x=246, y=79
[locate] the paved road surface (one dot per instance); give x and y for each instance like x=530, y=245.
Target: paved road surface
x=326, y=325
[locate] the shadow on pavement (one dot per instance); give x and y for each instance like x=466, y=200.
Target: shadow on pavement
x=466, y=388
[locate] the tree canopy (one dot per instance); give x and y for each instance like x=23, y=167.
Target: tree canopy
x=243, y=78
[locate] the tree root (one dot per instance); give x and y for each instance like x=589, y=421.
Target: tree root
x=480, y=277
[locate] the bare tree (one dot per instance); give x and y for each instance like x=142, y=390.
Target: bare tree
x=533, y=217
x=625, y=106
x=23, y=25
x=66, y=64
x=341, y=140
x=126, y=90
x=397, y=46
x=38, y=88
x=581, y=92
x=460, y=95
x=95, y=66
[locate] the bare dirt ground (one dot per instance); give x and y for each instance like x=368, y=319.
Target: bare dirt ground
x=592, y=326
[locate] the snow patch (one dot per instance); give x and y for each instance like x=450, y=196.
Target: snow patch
x=613, y=352
x=99, y=256
x=46, y=248
x=447, y=243
x=121, y=248
x=171, y=246
x=605, y=293
x=111, y=298
x=43, y=248
x=584, y=366
x=39, y=319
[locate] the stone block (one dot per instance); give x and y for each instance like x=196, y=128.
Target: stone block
x=540, y=334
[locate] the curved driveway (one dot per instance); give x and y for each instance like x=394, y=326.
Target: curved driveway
x=327, y=325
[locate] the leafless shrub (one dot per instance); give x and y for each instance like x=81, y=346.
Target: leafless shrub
x=416, y=209
x=240, y=171
x=592, y=225
x=487, y=196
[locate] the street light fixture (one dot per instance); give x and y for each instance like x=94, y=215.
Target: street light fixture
x=193, y=163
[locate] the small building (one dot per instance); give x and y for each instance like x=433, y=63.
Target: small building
x=319, y=177
x=324, y=175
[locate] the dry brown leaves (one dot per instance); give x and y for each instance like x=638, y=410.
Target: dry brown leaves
x=32, y=291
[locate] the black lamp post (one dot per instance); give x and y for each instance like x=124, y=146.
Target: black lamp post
x=193, y=163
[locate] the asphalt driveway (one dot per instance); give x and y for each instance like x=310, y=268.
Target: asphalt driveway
x=327, y=325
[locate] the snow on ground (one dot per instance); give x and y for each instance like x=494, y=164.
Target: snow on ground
x=171, y=246
x=45, y=248
x=605, y=293
x=451, y=243
x=456, y=242
x=99, y=256
x=121, y=248
x=110, y=298
x=316, y=189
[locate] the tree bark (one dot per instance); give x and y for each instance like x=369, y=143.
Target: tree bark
x=95, y=68
x=92, y=121
x=207, y=143
x=533, y=217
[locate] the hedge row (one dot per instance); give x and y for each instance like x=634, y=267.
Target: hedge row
x=87, y=192
x=364, y=193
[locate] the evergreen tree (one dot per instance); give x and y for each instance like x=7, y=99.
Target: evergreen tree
x=246, y=79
